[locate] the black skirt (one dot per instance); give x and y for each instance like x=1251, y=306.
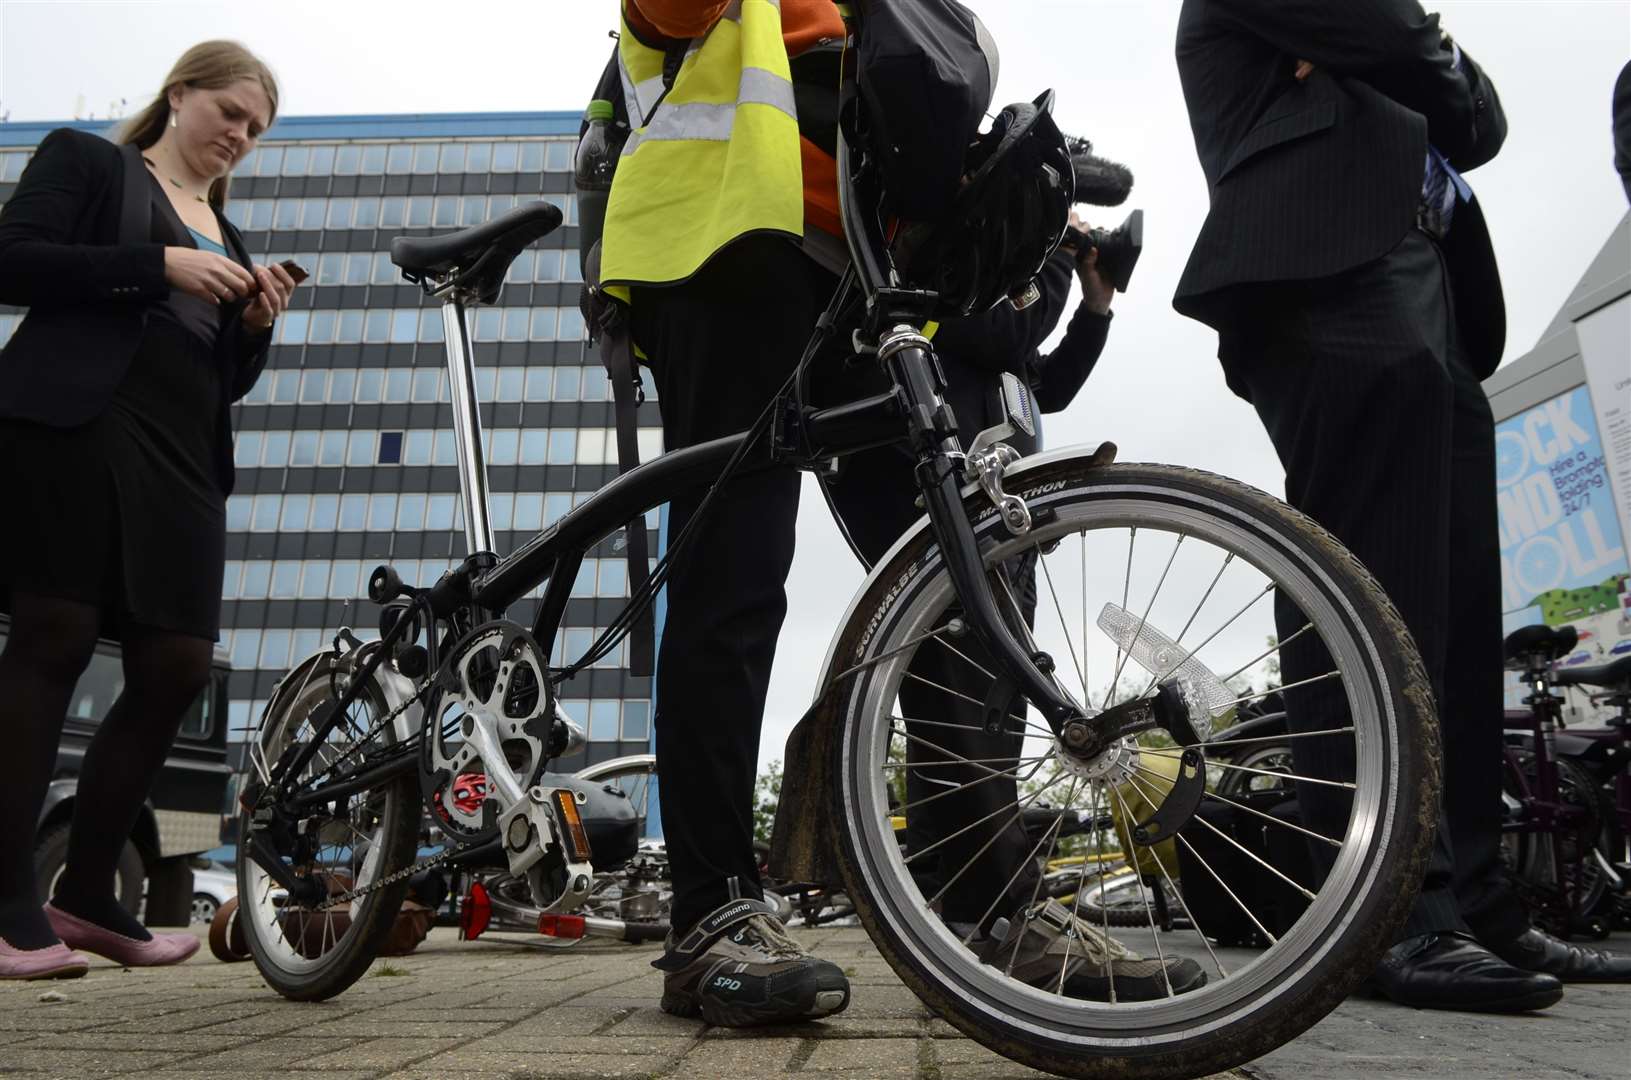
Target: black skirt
x=126, y=512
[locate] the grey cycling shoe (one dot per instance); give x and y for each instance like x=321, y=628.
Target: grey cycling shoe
x=738, y=967
x=1053, y=949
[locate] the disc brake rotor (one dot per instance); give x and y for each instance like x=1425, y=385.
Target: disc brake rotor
x=487, y=727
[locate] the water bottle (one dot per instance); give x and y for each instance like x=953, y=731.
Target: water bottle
x=598, y=152
x=599, y=148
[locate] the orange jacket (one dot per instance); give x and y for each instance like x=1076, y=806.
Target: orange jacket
x=805, y=23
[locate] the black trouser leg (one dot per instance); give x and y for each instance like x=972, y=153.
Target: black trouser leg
x=721, y=345
x=1472, y=701
x=164, y=673
x=1352, y=378
x=50, y=643
x=986, y=871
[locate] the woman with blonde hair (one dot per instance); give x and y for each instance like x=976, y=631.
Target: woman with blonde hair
x=146, y=320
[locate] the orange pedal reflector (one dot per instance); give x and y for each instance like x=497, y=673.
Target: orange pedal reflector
x=561, y=926
x=566, y=803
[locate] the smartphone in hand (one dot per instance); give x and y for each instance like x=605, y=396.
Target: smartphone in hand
x=294, y=270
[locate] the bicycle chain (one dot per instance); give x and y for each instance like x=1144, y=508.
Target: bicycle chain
x=407, y=871
x=356, y=748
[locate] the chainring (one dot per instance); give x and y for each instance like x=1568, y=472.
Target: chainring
x=487, y=728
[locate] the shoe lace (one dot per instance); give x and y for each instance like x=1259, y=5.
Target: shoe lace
x=1094, y=944
x=769, y=937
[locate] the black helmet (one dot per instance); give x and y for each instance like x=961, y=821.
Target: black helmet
x=1008, y=218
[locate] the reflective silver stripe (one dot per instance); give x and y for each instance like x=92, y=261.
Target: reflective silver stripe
x=702, y=121
x=648, y=93
x=763, y=87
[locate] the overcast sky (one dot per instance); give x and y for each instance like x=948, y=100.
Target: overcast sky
x=1551, y=197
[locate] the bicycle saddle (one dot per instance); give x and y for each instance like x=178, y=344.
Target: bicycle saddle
x=475, y=258
x=1541, y=640
x=1614, y=674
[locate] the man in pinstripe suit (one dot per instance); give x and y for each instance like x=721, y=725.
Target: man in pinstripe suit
x=1349, y=273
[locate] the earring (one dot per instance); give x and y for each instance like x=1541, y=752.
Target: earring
x=173, y=119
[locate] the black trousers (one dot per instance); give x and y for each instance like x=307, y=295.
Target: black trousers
x=721, y=345
x=986, y=871
x=1388, y=441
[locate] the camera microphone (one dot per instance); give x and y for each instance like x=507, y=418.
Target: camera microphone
x=1099, y=181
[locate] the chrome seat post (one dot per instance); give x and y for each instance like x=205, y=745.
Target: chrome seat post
x=472, y=456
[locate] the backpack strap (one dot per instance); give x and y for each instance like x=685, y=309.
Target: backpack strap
x=610, y=323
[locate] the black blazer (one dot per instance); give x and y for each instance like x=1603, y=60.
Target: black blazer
x=1308, y=179
x=87, y=270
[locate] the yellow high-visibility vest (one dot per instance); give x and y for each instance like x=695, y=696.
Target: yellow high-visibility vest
x=714, y=158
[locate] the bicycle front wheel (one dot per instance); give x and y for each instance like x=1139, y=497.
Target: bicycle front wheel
x=1194, y=563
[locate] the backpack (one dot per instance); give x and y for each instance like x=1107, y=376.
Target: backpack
x=925, y=73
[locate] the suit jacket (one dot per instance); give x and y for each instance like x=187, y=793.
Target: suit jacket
x=1308, y=179
x=75, y=249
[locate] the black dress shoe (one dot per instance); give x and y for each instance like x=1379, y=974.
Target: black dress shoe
x=1452, y=971
x=1536, y=950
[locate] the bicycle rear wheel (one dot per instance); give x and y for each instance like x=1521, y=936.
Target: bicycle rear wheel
x=313, y=952
x=1185, y=552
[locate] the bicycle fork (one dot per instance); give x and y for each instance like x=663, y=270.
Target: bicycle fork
x=909, y=358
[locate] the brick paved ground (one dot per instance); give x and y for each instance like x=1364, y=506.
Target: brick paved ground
x=508, y=1008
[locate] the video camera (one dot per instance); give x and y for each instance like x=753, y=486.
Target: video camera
x=1102, y=182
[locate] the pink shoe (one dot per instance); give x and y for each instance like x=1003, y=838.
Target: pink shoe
x=80, y=934
x=52, y=962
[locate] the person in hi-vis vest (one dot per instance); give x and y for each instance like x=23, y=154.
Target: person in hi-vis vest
x=722, y=234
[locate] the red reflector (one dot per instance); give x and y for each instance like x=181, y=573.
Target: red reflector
x=561, y=926
x=475, y=913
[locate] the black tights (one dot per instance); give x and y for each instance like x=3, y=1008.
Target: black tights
x=50, y=644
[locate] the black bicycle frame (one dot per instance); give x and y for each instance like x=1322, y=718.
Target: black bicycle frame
x=914, y=413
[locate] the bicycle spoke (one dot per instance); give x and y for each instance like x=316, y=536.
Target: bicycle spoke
x=1228, y=556
x=914, y=856
x=966, y=727
x=1082, y=547
x=1237, y=845
x=952, y=757
x=1015, y=773
x=1224, y=886
x=1019, y=809
x=1081, y=889
x=1009, y=761
x=1126, y=592
x=1142, y=619
x=957, y=694
x=1036, y=889
x=1059, y=609
x=1160, y=955
x=1029, y=860
x=1213, y=636
x=1194, y=920
x=1271, y=650
x=1257, y=772
x=1266, y=817
x=1288, y=686
x=1277, y=738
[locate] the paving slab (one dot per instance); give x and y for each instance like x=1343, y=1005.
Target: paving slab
x=506, y=1008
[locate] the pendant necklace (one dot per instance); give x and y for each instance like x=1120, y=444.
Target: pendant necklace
x=176, y=183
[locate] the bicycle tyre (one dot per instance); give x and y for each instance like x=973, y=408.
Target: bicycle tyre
x=1360, y=912
x=391, y=847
